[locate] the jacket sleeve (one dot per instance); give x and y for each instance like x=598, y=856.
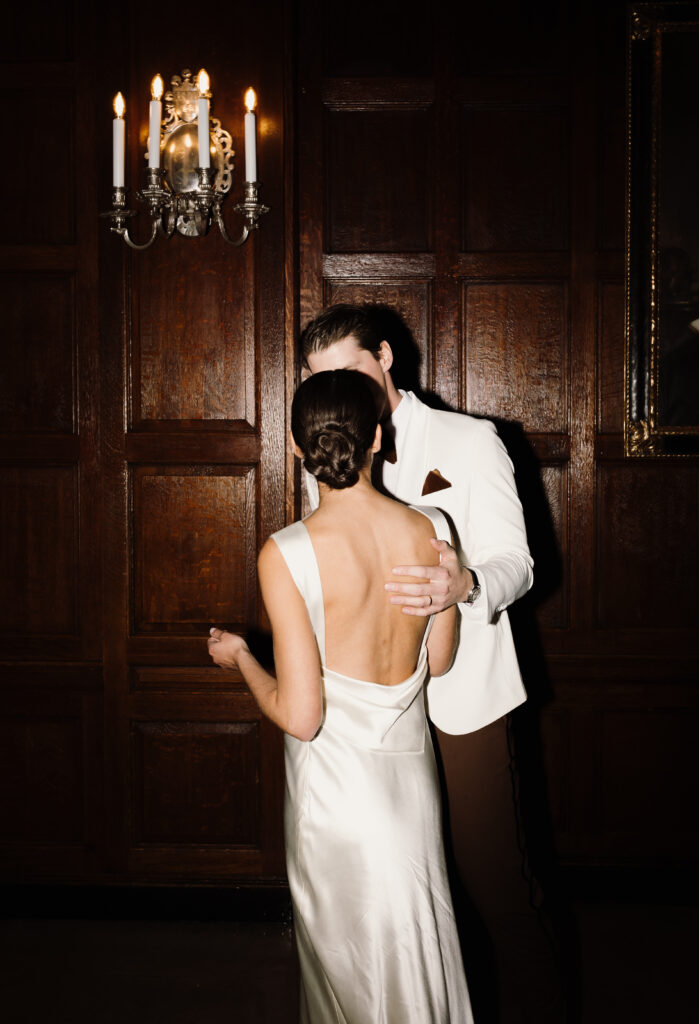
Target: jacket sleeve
x=495, y=541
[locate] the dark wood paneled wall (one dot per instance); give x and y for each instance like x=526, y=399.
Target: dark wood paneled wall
x=467, y=169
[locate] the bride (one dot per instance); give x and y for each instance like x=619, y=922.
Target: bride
x=373, y=916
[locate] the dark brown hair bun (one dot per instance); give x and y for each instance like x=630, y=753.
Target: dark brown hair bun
x=333, y=421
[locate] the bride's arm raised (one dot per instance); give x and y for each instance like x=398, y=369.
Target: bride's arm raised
x=293, y=700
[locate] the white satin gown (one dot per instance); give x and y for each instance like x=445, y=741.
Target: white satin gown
x=373, y=915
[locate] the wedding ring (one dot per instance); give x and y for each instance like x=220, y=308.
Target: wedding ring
x=429, y=600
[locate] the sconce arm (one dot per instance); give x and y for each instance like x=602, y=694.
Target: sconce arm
x=218, y=217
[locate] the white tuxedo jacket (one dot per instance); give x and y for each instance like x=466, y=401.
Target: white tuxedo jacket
x=479, y=496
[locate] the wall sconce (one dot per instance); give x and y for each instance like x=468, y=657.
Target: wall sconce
x=190, y=165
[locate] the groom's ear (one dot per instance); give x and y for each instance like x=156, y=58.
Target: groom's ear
x=385, y=356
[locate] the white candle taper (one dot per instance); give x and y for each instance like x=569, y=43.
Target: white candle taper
x=203, y=121
x=250, y=137
x=154, y=119
x=118, y=141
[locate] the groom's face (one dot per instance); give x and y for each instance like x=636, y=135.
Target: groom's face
x=348, y=355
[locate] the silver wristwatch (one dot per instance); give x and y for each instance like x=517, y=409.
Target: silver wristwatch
x=475, y=591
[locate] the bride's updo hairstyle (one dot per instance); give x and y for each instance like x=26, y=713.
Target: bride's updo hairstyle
x=333, y=421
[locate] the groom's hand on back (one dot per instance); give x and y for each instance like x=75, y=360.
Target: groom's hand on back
x=447, y=583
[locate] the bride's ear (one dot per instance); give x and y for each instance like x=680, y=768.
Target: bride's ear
x=294, y=447
x=377, y=440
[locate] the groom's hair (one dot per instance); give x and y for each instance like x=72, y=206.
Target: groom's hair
x=336, y=323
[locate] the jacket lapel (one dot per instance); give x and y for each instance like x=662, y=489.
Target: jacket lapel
x=414, y=452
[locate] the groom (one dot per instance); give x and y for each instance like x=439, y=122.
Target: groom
x=459, y=464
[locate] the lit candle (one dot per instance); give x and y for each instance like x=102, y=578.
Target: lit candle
x=203, y=121
x=156, y=113
x=250, y=137
x=118, y=141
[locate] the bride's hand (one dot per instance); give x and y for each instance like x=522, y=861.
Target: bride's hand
x=225, y=648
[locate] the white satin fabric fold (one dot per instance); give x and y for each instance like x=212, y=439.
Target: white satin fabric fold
x=374, y=922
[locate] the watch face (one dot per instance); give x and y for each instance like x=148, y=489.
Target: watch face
x=474, y=595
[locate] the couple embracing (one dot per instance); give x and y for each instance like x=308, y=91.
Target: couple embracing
x=370, y=598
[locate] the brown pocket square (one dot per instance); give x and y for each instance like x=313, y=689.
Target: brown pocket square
x=434, y=481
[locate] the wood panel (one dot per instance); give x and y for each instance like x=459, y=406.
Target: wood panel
x=512, y=39
x=195, y=370
x=378, y=165
x=193, y=548
x=646, y=536
x=657, y=744
x=43, y=221
x=37, y=371
x=196, y=782
x=42, y=779
x=392, y=46
x=515, y=180
x=516, y=340
x=610, y=357
x=192, y=358
x=39, y=550
x=50, y=771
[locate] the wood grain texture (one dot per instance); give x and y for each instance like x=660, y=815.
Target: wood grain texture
x=195, y=782
x=368, y=39
x=43, y=220
x=657, y=744
x=41, y=778
x=191, y=549
x=378, y=165
x=610, y=357
x=190, y=353
x=38, y=360
x=515, y=180
x=647, y=519
x=516, y=353
x=39, y=550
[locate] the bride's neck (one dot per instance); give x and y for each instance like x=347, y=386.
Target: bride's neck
x=329, y=497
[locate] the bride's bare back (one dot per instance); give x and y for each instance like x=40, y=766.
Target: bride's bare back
x=357, y=540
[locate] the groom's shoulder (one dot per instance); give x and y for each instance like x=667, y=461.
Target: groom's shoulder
x=460, y=424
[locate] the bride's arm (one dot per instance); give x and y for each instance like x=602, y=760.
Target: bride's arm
x=293, y=700
x=442, y=641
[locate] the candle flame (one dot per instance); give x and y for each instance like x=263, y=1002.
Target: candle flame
x=119, y=105
x=250, y=99
x=203, y=82
x=156, y=87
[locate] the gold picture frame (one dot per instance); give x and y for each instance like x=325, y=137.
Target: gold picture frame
x=662, y=231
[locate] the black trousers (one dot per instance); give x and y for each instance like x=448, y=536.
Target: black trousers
x=510, y=954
